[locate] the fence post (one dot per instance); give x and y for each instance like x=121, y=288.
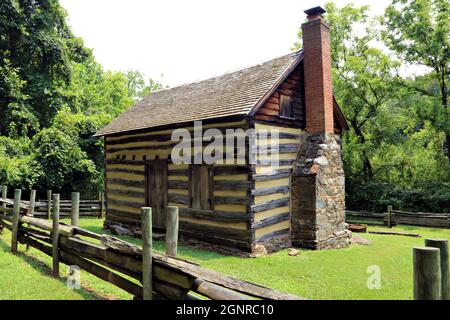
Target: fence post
x=75, y=209
x=172, y=231
x=101, y=197
x=4, y=194
x=389, y=216
x=427, y=273
x=442, y=245
x=55, y=235
x=49, y=203
x=16, y=218
x=147, y=276
x=32, y=202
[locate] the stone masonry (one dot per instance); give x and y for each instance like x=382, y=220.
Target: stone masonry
x=318, y=195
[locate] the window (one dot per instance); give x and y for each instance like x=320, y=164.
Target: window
x=286, y=106
x=201, y=186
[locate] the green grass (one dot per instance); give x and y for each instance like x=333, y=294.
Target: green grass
x=330, y=274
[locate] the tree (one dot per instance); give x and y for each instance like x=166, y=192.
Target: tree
x=36, y=48
x=138, y=88
x=363, y=76
x=419, y=32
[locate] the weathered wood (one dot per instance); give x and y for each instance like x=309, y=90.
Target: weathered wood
x=272, y=220
x=15, y=221
x=4, y=195
x=405, y=234
x=147, y=276
x=132, y=193
x=47, y=225
x=172, y=224
x=389, y=216
x=75, y=209
x=49, y=204
x=102, y=204
x=215, y=215
x=272, y=204
x=267, y=191
x=125, y=182
x=216, y=292
x=442, y=245
x=55, y=235
x=32, y=202
x=276, y=175
x=427, y=273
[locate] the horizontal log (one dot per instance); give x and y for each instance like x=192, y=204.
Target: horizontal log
x=222, y=231
x=274, y=234
x=223, y=216
x=272, y=220
x=178, y=198
x=268, y=205
x=216, y=292
x=128, y=162
x=231, y=185
x=126, y=192
x=126, y=203
x=280, y=162
x=275, y=175
x=64, y=230
x=267, y=191
x=231, y=200
x=131, y=171
x=125, y=182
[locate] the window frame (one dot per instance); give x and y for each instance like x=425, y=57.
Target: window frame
x=282, y=113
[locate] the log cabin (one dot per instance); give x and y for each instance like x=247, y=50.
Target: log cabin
x=247, y=201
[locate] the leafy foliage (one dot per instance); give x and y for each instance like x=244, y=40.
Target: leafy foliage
x=53, y=97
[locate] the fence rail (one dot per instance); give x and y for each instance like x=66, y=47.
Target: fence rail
x=41, y=209
x=393, y=217
x=111, y=259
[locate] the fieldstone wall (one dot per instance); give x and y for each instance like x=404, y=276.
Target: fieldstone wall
x=318, y=194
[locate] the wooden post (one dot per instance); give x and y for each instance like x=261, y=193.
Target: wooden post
x=442, y=245
x=75, y=209
x=49, y=203
x=32, y=202
x=16, y=218
x=389, y=216
x=55, y=235
x=427, y=273
x=172, y=231
x=4, y=194
x=147, y=276
x=101, y=197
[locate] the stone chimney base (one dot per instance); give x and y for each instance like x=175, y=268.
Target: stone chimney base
x=318, y=195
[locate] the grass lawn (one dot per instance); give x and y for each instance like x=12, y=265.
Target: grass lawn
x=331, y=274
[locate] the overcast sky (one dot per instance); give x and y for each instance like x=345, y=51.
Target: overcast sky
x=188, y=40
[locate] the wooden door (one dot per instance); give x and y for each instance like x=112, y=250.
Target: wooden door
x=156, y=191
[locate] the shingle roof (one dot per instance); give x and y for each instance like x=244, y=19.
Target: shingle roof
x=234, y=93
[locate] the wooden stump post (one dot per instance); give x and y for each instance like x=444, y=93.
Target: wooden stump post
x=4, y=194
x=442, y=245
x=147, y=276
x=427, y=273
x=15, y=221
x=49, y=203
x=75, y=209
x=55, y=235
x=172, y=231
x=101, y=197
x=32, y=202
x=389, y=216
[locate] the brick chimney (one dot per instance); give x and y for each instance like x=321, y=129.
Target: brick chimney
x=317, y=64
x=318, y=181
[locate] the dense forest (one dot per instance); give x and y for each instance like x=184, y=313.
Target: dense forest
x=54, y=96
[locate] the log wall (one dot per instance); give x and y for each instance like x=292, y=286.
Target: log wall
x=228, y=223
x=271, y=185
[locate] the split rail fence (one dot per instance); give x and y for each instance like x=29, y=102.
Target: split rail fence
x=138, y=270
x=43, y=208
x=393, y=217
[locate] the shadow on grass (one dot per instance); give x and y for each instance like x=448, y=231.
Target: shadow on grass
x=42, y=267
